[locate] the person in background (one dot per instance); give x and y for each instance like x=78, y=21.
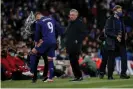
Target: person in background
x=6, y=68
x=12, y=65
x=116, y=42
x=46, y=27
x=88, y=66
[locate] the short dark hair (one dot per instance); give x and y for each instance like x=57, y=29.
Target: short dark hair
x=117, y=7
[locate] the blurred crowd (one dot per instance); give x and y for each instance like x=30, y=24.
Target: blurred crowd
x=93, y=13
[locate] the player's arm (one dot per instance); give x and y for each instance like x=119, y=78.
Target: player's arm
x=37, y=37
x=37, y=33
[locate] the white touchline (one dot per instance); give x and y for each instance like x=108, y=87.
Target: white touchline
x=117, y=86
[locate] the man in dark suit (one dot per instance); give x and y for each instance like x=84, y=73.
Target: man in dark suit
x=115, y=42
x=75, y=33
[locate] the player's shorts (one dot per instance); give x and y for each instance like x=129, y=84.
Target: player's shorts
x=47, y=48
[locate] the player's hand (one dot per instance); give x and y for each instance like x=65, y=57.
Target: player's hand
x=34, y=51
x=119, y=38
x=39, y=43
x=35, y=43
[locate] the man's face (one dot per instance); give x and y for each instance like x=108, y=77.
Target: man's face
x=119, y=10
x=73, y=16
x=38, y=16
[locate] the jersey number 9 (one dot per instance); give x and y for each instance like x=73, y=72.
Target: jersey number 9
x=50, y=26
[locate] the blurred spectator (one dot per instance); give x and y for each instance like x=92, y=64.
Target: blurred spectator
x=12, y=66
x=62, y=63
x=88, y=66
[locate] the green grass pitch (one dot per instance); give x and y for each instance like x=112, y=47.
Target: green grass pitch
x=65, y=83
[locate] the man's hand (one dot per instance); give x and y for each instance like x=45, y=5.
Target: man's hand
x=34, y=51
x=119, y=38
x=39, y=43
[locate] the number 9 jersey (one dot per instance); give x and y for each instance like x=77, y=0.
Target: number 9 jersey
x=46, y=29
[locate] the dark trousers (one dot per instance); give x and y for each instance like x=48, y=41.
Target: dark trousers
x=75, y=65
x=104, y=61
x=45, y=71
x=111, y=62
x=34, y=69
x=88, y=71
x=123, y=56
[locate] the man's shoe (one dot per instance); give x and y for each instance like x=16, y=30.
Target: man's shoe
x=80, y=79
x=124, y=76
x=73, y=79
x=77, y=79
x=34, y=81
x=101, y=75
x=110, y=78
x=45, y=78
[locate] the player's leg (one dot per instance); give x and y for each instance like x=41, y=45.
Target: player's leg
x=37, y=51
x=35, y=69
x=34, y=59
x=50, y=69
x=45, y=71
x=51, y=57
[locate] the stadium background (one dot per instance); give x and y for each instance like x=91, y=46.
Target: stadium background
x=93, y=12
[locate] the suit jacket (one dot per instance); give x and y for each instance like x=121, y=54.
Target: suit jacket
x=112, y=29
x=74, y=35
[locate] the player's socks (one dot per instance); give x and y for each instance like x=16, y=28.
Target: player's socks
x=51, y=69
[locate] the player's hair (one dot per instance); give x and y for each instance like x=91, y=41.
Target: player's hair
x=74, y=10
x=117, y=7
x=37, y=13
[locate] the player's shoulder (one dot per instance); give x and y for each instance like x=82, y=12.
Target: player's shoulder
x=46, y=18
